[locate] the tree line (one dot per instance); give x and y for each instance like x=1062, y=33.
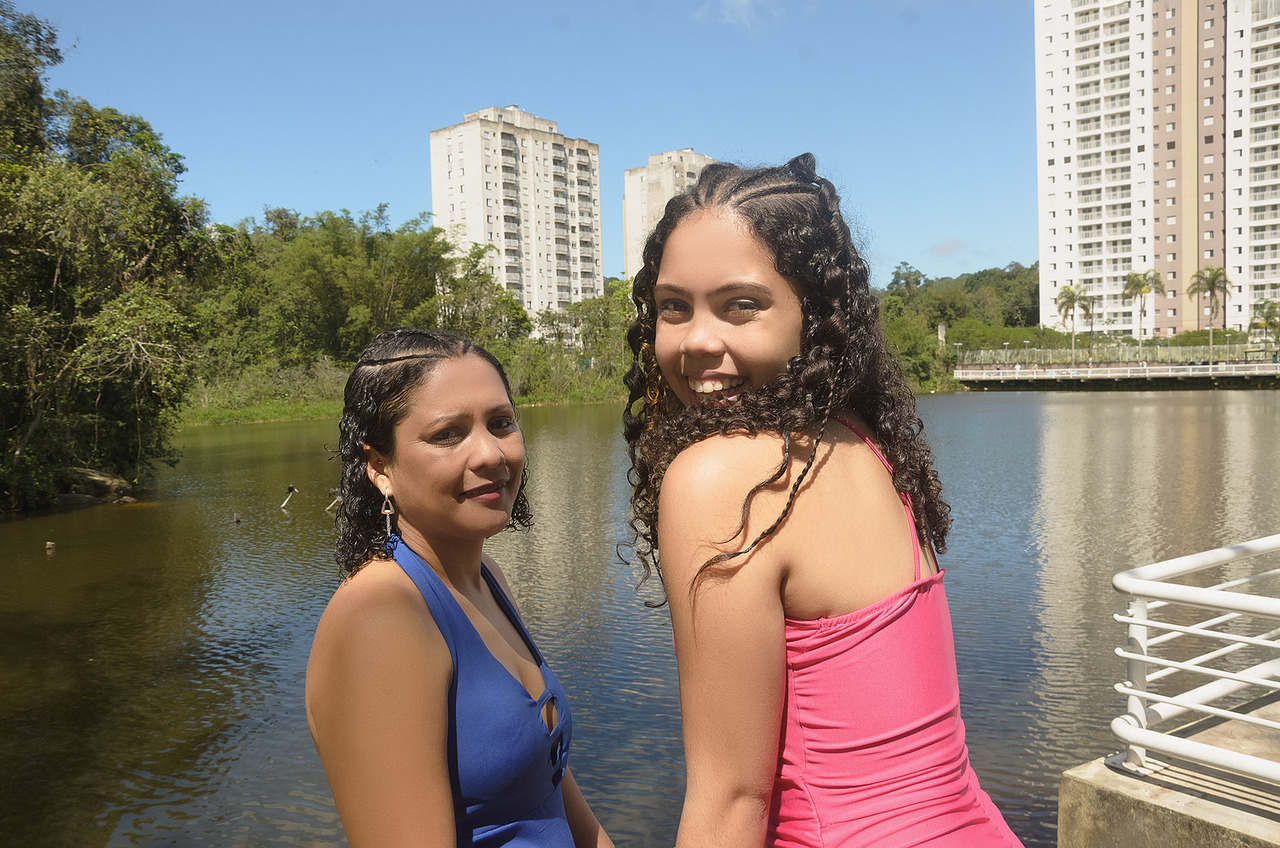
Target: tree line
x=985, y=309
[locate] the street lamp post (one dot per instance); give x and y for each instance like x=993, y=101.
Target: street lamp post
x=1006, y=353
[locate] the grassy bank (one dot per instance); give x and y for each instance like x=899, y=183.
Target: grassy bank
x=315, y=392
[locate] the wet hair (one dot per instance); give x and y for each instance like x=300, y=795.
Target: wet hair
x=377, y=398
x=844, y=362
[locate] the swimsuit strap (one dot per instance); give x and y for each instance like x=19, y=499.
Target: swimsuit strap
x=906, y=498
x=870, y=444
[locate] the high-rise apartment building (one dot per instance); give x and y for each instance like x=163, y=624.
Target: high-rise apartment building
x=645, y=192
x=1158, y=144
x=510, y=179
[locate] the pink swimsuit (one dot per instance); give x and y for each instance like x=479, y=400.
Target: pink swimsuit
x=872, y=750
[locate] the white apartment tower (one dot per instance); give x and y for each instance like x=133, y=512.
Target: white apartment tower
x=645, y=192
x=509, y=179
x=1158, y=145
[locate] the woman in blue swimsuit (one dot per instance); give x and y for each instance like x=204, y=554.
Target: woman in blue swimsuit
x=436, y=718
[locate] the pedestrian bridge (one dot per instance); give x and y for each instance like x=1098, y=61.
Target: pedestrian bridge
x=1123, y=377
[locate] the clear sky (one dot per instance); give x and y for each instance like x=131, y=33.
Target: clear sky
x=920, y=111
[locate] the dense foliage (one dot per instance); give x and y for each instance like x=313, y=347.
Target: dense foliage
x=989, y=309
x=100, y=264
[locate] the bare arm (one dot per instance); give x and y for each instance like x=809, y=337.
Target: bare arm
x=730, y=640
x=377, y=686
x=586, y=828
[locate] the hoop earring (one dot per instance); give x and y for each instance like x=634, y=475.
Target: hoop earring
x=388, y=510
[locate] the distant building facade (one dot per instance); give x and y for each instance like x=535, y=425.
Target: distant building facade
x=510, y=179
x=1158, y=148
x=645, y=193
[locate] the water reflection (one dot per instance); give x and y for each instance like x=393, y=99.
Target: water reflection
x=1053, y=494
x=152, y=668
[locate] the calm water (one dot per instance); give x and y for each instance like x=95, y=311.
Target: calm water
x=151, y=669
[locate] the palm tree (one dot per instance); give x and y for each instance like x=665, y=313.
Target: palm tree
x=1069, y=301
x=1266, y=317
x=1139, y=286
x=1213, y=282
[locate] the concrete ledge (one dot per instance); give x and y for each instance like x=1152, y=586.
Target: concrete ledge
x=1172, y=807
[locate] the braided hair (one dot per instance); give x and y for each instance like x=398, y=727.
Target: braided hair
x=844, y=362
x=377, y=398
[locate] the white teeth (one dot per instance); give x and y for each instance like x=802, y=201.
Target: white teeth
x=703, y=387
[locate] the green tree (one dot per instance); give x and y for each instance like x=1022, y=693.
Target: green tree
x=472, y=304
x=1266, y=317
x=906, y=282
x=1137, y=286
x=1071, y=300
x=1213, y=283
x=95, y=325
x=600, y=325
x=28, y=46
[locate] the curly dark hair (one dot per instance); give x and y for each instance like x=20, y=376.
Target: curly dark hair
x=844, y=362
x=376, y=399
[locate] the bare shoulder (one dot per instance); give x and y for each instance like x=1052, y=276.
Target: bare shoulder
x=380, y=586
x=701, y=504
x=722, y=464
x=376, y=612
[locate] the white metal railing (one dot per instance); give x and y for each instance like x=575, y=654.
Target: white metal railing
x=1014, y=370
x=1233, y=608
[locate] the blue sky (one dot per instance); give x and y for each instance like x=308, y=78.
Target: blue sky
x=920, y=111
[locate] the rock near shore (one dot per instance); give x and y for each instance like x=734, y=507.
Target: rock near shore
x=90, y=486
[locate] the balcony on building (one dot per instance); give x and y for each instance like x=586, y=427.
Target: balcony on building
x=1111, y=48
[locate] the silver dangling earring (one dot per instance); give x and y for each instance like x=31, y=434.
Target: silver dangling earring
x=388, y=510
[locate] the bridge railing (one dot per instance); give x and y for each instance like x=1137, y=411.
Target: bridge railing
x=1169, y=631
x=1113, y=372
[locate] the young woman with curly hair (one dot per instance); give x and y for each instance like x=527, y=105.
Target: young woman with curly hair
x=436, y=718
x=781, y=474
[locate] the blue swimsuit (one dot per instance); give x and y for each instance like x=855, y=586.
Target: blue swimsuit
x=505, y=767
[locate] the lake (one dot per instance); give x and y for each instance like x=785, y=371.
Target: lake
x=152, y=668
